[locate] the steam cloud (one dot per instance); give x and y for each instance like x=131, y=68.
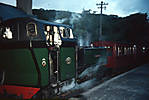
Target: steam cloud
x=90, y=71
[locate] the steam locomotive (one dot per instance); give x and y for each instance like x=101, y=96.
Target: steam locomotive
x=38, y=58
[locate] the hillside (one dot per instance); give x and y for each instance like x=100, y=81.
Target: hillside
x=86, y=25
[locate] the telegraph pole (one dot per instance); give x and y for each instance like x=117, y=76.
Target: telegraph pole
x=101, y=6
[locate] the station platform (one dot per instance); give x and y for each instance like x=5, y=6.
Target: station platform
x=132, y=85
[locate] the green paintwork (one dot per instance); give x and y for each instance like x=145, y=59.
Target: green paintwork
x=92, y=56
x=67, y=71
x=41, y=53
x=19, y=67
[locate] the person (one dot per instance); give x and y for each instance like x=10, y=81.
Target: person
x=7, y=34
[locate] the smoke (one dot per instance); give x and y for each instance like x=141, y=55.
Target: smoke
x=89, y=72
x=80, y=41
x=84, y=41
x=93, y=70
x=85, y=85
x=74, y=17
x=60, y=20
x=68, y=87
x=88, y=40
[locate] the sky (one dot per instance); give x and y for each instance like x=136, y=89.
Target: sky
x=121, y=8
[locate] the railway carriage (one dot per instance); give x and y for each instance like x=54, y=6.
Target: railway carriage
x=125, y=55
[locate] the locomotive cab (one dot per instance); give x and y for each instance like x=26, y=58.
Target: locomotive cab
x=63, y=57
x=34, y=54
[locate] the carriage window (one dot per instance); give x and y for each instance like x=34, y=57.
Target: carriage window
x=57, y=39
x=71, y=34
x=49, y=34
x=134, y=49
x=31, y=29
x=125, y=51
x=7, y=33
x=119, y=51
x=62, y=31
x=66, y=32
x=130, y=50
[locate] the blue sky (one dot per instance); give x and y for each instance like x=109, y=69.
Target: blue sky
x=116, y=7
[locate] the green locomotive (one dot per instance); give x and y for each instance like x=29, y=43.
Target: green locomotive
x=35, y=53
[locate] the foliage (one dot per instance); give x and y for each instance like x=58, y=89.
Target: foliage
x=48, y=15
x=86, y=27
